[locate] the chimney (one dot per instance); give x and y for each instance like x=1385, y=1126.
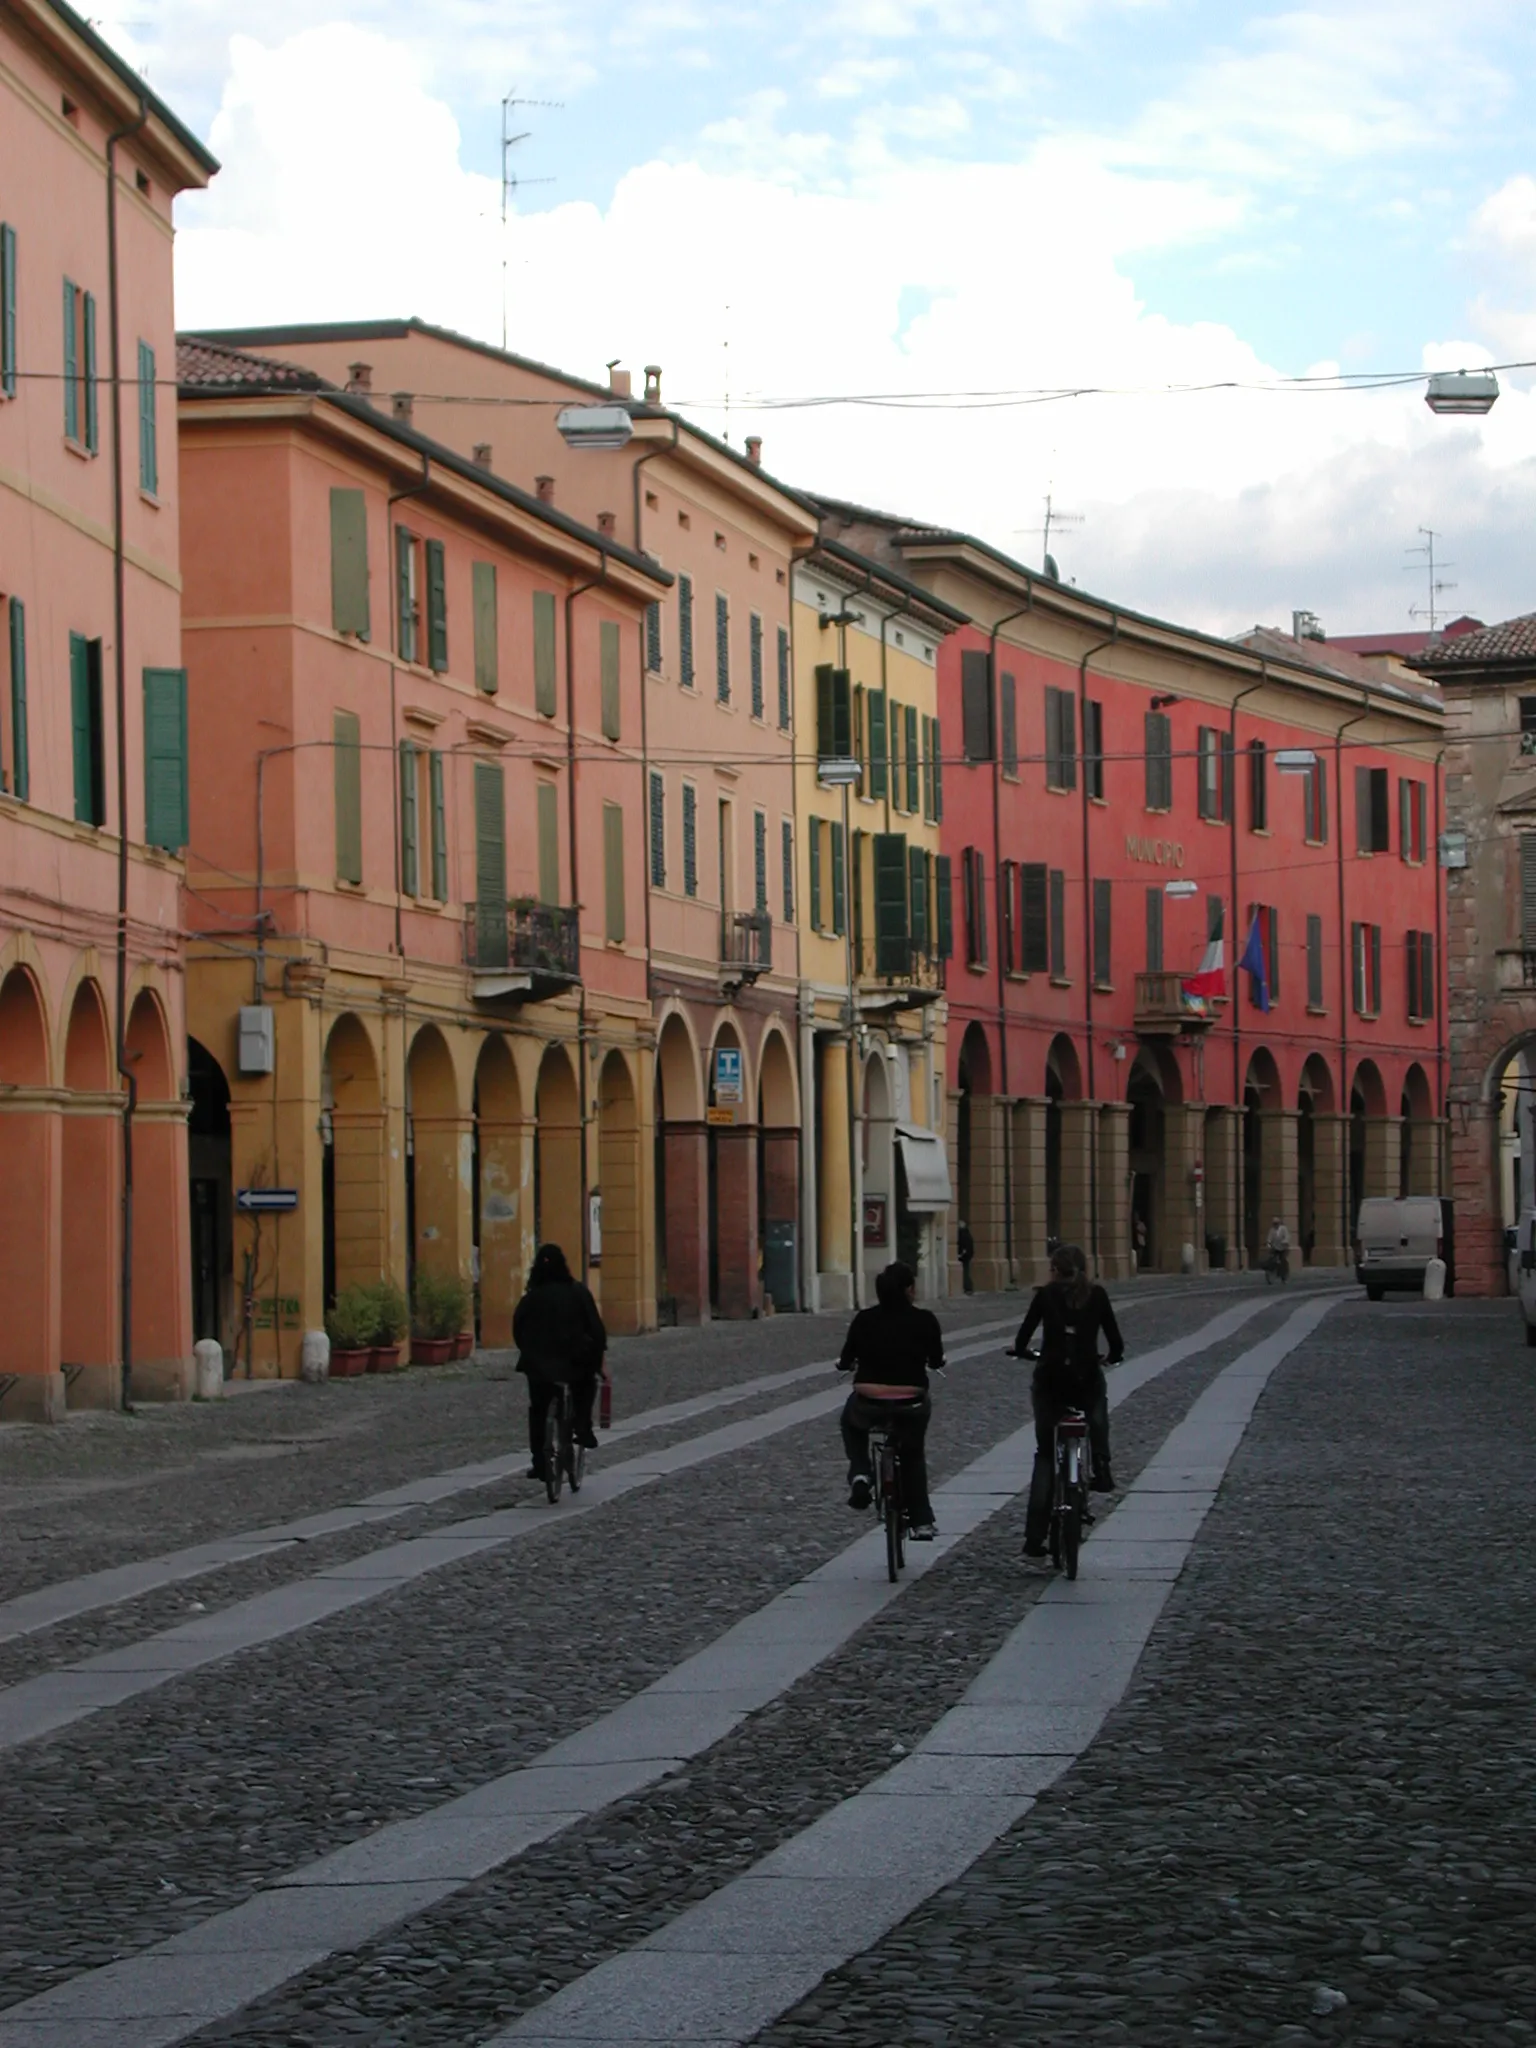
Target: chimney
x=545, y=486
x=403, y=406
x=482, y=457
x=608, y=524
x=1306, y=626
x=653, y=383
x=360, y=378
x=755, y=450
x=618, y=381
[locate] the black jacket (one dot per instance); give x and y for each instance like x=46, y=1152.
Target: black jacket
x=1069, y=1344
x=558, y=1332
x=893, y=1347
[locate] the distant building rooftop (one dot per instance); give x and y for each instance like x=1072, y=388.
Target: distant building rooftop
x=1509, y=644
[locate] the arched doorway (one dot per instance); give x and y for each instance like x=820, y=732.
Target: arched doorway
x=732, y=1182
x=682, y=1274
x=160, y=1265
x=1154, y=1080
x=29, y=1197
x=973, y=1078
x=618, y=1180
x=778, y=1173
x=90, y=1206
x=352, y=1175
x=1317, y=1179
x=1063, y=1083
x=877, y=1140
x=1418, y=1164
x=1372, y=1171
x=1266, y=1181
x=209, y=1171
x=434, y=1185
x=557, y=1188
x=497, y=1222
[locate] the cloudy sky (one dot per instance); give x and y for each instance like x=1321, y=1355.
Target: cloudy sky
x=935, y=199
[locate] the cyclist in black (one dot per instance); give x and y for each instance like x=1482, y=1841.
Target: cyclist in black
x=559, y=1335
x=891, y=1349
x=1071, y=1313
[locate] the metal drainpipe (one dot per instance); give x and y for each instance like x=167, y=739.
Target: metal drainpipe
x=120, y=665
x=649, y=455
x=997, y=873
x=581, y=1024
x=397, y=497
x=1093, y=1148
x=855, y=1155
x=1344, y=987
x=1237, y=1030
x=1442, y=981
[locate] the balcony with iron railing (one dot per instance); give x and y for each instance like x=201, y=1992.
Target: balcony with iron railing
x=746, y=945
x=521, y=951
x=896, y=972
x=1163, y=1010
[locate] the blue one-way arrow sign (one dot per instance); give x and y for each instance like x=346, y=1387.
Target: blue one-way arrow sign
x=262, y=1200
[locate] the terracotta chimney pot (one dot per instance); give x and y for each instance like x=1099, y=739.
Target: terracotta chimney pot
x=619, y=382
x=608, y=523
x=360, y=377
x=483, y=455
x=755, y=450
x=545, y=486
x=403, y=406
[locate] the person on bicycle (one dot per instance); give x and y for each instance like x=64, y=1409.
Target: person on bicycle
x=1071, y=1313
x=891, y=1349
x=559, y=1336
x=1278, y=1245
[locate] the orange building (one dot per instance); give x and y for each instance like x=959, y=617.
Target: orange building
x=92, y=755
x=719, y=905
x=417, y=990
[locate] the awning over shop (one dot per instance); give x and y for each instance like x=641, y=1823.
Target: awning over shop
x=927, y=1164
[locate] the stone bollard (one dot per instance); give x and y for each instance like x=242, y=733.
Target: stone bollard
x=208, y=1355
x=314, y=1357
x=1434, y=1280
x=1186, y=1258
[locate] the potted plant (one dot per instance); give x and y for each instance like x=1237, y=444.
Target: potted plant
x=439, y=1309
x=391, y=1320
x=350, y=1327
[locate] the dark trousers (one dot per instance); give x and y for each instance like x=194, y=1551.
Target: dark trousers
x=583, y=1393
x=1093, y=1398
x=965, y=1276
x=908, y=1423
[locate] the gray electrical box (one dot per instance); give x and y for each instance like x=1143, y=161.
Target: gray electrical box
x=258, y=1038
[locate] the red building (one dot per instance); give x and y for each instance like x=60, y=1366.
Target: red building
x=1115, y=788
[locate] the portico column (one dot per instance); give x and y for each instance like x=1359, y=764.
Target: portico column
x=1078, y=1136
x=1278, y=1192
x=1116, y=1261
x=1031, y=1261
x=1425, y=1136
x=1480, y=1261
x=506, y=1202
x=1383, y=1146
x=1183, y=1215
x=989, y=1133
x=31, y=1282
x=833, y=1183
x=1223, y=1153
x=1330, y=1167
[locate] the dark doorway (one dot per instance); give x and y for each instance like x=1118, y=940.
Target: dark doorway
x=212, y=1196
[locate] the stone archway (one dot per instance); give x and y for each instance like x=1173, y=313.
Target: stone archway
x=498, y=1216
x=161, y=1263
x=1068, y=1135
x=1419, y=1152
x=1320, y=1167
x=980, y=1148
x=1158, y=1221
x=558, y=1194
x=731, y=1152
x=1269, y=1154
x=618, y=1180
x=682, y=1270
x=877, y=1141
x=1373, y=1139
x=352, y=1174
x=438, y=1143
x=778, y=1172
x=29, y=1210
x=90, y=1208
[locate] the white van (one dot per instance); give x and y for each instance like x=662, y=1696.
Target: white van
x=1395, y=1241
x=1525, y=1271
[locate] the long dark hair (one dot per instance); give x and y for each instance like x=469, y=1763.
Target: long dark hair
x=548, y=1264
x=891, y=1285
x=1069, y=1269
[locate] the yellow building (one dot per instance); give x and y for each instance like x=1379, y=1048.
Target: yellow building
x=874, y=919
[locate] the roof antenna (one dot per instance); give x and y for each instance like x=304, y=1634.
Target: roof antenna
x=510, y=184
x=1426, y=548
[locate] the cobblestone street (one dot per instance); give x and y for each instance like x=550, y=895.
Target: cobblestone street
x=374, y=1746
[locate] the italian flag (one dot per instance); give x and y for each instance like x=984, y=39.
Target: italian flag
x=1210, y=978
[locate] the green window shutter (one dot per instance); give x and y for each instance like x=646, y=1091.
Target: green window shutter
x=879, y=745
x=834, y=713
x=722, y=648
x=756, y=649
x=405, y=602
x=483, y=578
x=1103, y=959
x=149, y=456
x=824, y=710
x=544, y=698
x=690, y=840
x=685, y=631
x=1034, y=919
x=813, y=837
x=1010, y=701
x=913, y=764
x=787, y=856
x=839, y=883
x=760, y=861
x=976, y=703
x=7, y=309
x=938, y=775
x=943, y=907
x=347, y=733
x=165, y=758
x=653, y=638
x=608, y=668
x=439, y=828
x=917, y=897
x=784, y=680
x=549, y=843
x=1058, y=894
x=80, y=727
x=1155, y=929
x=71, y=367
x=349, y=562
x=437, y=606
x=613, y=873
x=21, y=772
x=491, y=865
x=658, y=830
x=410, y=864
x=89, y=339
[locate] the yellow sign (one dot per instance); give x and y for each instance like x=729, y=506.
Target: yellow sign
x=719, y=1116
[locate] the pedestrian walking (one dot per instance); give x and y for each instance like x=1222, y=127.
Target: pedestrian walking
x=965, y=1251
x=560, y=1337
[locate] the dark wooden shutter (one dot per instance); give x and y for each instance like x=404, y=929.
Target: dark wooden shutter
x=613, y=874
x=1093, y=748
x=917, y=900
x=1206, y=790
x=165, y=758
x=1375, y=969
x=439, y=827
x=437, y=607
x=1258, y=786
x=7, y=309
x=755, y=653
x=912, y=763
x=410, y=838
x=80, y=727
x=690, y=840
x=405, y=598
x=653, y=638
x=813, y=829
x=658, y=831
x=88, y=367
x=1058, y=886
x=1007, y=899
x=760, y=862
x=1404, y=817
x=834, y=714
x=1055, y=777
x=1314, y=961
x=545, y=687
x=349, y=563
x=976, y=704
x=1158, y=737
x=1034, y=919
x=1066, y=738
x=491, y=864
x=1528, y=890
x=976, y=907
x=487, y=639
x=1226, y=794
x=1357, y=966
x=685, y=631
x=787, y=858
x=1381, y=826
x=1426, y=974
x=608, y=670
x=879, y=764
x=944, y=906
x=839, y=882
x=722, y=648
x=71, y=367
x=1272, y=951
x=1010, y=709
x=1363, y=839
x=1411, y=958
x=1103, y=958
x=938, y=775
x=346, y=734
x=549, y=842
x=891, y=874
x=21, y=779
x=1154, y=930
x=784, y=680
x=149, y=454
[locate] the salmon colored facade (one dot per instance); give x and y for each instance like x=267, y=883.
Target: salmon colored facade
x=720, y=712
x=91, y=989
x=417, y=994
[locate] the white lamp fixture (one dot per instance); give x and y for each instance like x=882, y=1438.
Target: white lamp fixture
x=1461, y=391
x=836, y=774
x=1181, y=888
x=1295, y=760
x=594, y=426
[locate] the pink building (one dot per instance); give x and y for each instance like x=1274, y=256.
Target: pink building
x=92, y=727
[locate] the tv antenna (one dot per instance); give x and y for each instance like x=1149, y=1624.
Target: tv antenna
x=1052, y=518
x=1432, y=612
x=511, y=183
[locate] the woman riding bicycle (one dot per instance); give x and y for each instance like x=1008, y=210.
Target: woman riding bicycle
x=559, y=1336
x=891, y=1349
x=1071, y=1312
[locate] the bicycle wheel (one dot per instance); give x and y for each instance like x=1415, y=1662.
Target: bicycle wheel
x=552, y=1472
x=1058, y=1509
x=890, y=1507
x=1071, y=1530
x=578, y=1465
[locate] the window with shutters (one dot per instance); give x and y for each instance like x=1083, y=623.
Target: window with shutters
x=658, y=831
x=1154, y=930
x=839, y=867
x=1365, y=958
x=834, y=714
x=545, y=686
x=7, y=310
x=919, y=884
x=1093, y=749
x=690, y=840
x=974, y=883
x=407, y=595
x=1215, y=919
x=349, y=563
x=653, y=638
x=608, y=676
x=1527, y=844
x=879, y=780
x=1314, y=791
x=88, y=746
x=80, y=405
x=938, y=774
x=856, y=891
x=1258, y=786
x=760, y=862
x=927, y=766
x=1314, y=961
x=410, y=811
x=347, y=775
x=1528, y=725
x=787, y=861
x=437, y=607
x=892, y=874
x=943, y=907
x=1103, y=956
x=438, y=812
x=491, y=948
x=1058, y=896
x=896, y=717
x=1372, y=826
x=1420, y=949
x=813, y=847
x=1060, y=739
x=911, y=761
x=755, y=658
x=1157, y=730
x=785, y=687
x=613, y=874
x=548, y=806
x=17, y=778
x=685, y=631
x=1413, y=819
x=859, y=753
x=1034, y=919
x=165, y=758
x=1267, y=918
x=1007, y=912
x=1009, y=699
x=149, y=443
x=487, y=633
x=1208, y=785
x=722, y=648
x=976, y=704
x=725, y=843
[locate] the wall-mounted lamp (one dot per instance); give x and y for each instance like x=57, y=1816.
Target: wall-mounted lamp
x=1162, y=703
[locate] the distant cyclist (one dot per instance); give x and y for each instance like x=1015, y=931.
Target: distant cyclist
x=1278, y=1246
x=1071, y=1313
x=559, y=1335
x=891, y=1349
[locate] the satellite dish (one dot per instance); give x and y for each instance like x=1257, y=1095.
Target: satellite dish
x=1051, y=569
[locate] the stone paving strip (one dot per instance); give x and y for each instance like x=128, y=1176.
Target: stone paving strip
x=181, y=1985
x=729, y=1966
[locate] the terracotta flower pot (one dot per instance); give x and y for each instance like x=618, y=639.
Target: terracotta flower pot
x=346, y=1365
x=464, y=1344
x=384, y=1358
x=431, y=1350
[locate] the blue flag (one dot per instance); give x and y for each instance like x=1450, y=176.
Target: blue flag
x=1253, y=961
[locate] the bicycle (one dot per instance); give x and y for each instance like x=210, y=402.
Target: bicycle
x=890, y=1494
x=1277, y=1266
x=564, y=1457
x=1071, y=1478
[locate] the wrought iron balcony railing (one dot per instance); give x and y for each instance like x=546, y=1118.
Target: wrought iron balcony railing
x=1163, y=1009
x=897, y=970
x=522, y=948
x=746, y=943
